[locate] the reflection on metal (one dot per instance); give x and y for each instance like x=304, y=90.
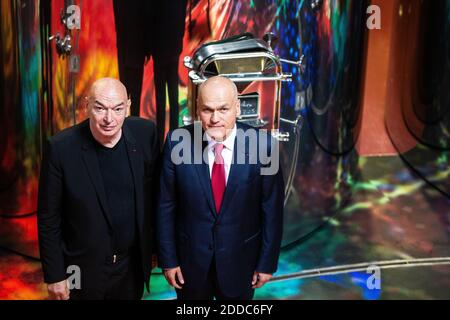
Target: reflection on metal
x=239, y=67
x=300, y=63
x=329, y=41
x=281, y=136
x=63, y=46
x=21, y=101
x=245, y=61
x=431, y=103
x=418, y=120
x=289, y=177
x=270, y=38
x=363, y=267
x=315, y=4
x=187, y=120
x=332, y=40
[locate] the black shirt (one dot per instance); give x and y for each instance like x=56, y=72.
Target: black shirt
x=119, y=187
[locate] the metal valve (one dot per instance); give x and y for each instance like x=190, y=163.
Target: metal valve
x=300, y=63
x=316, y=4
x=270, y=38
x=63, y=46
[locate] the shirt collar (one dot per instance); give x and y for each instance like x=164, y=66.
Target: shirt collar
x=228, y=142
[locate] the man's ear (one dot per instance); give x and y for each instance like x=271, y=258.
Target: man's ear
x=238, y=107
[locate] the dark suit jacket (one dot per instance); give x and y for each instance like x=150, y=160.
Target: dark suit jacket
x=245, y=236
x=73, y=220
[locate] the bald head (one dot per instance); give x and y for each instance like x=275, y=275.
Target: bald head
x=108, y=85
x=218, y=84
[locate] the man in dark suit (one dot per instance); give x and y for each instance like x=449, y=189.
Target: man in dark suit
x=219, y=220
x=95, y=201
x=168, y=33
x=151, y=28
x=134, y=22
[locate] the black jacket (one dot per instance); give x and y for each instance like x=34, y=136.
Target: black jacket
x=73, y=220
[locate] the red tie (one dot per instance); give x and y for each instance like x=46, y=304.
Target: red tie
x=218, y=176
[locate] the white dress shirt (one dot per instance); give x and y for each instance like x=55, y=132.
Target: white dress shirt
x=227, y=152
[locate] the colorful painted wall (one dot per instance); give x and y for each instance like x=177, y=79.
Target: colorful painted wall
x=362, y=94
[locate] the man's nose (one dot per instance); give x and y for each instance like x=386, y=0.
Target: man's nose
x=108, y=116
x=215, y=117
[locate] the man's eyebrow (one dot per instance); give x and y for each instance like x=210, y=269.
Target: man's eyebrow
x=117, y=105
x=98, y=102
x=219, y=107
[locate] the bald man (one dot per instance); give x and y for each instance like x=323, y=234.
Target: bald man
x=219, y=221
x=95, y=202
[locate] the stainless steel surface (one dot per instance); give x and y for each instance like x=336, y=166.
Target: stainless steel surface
x=63, y=45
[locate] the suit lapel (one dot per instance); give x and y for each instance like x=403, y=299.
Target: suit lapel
x=203, y=174
x=135, y=156
x=91, y=161
x=237, y=173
